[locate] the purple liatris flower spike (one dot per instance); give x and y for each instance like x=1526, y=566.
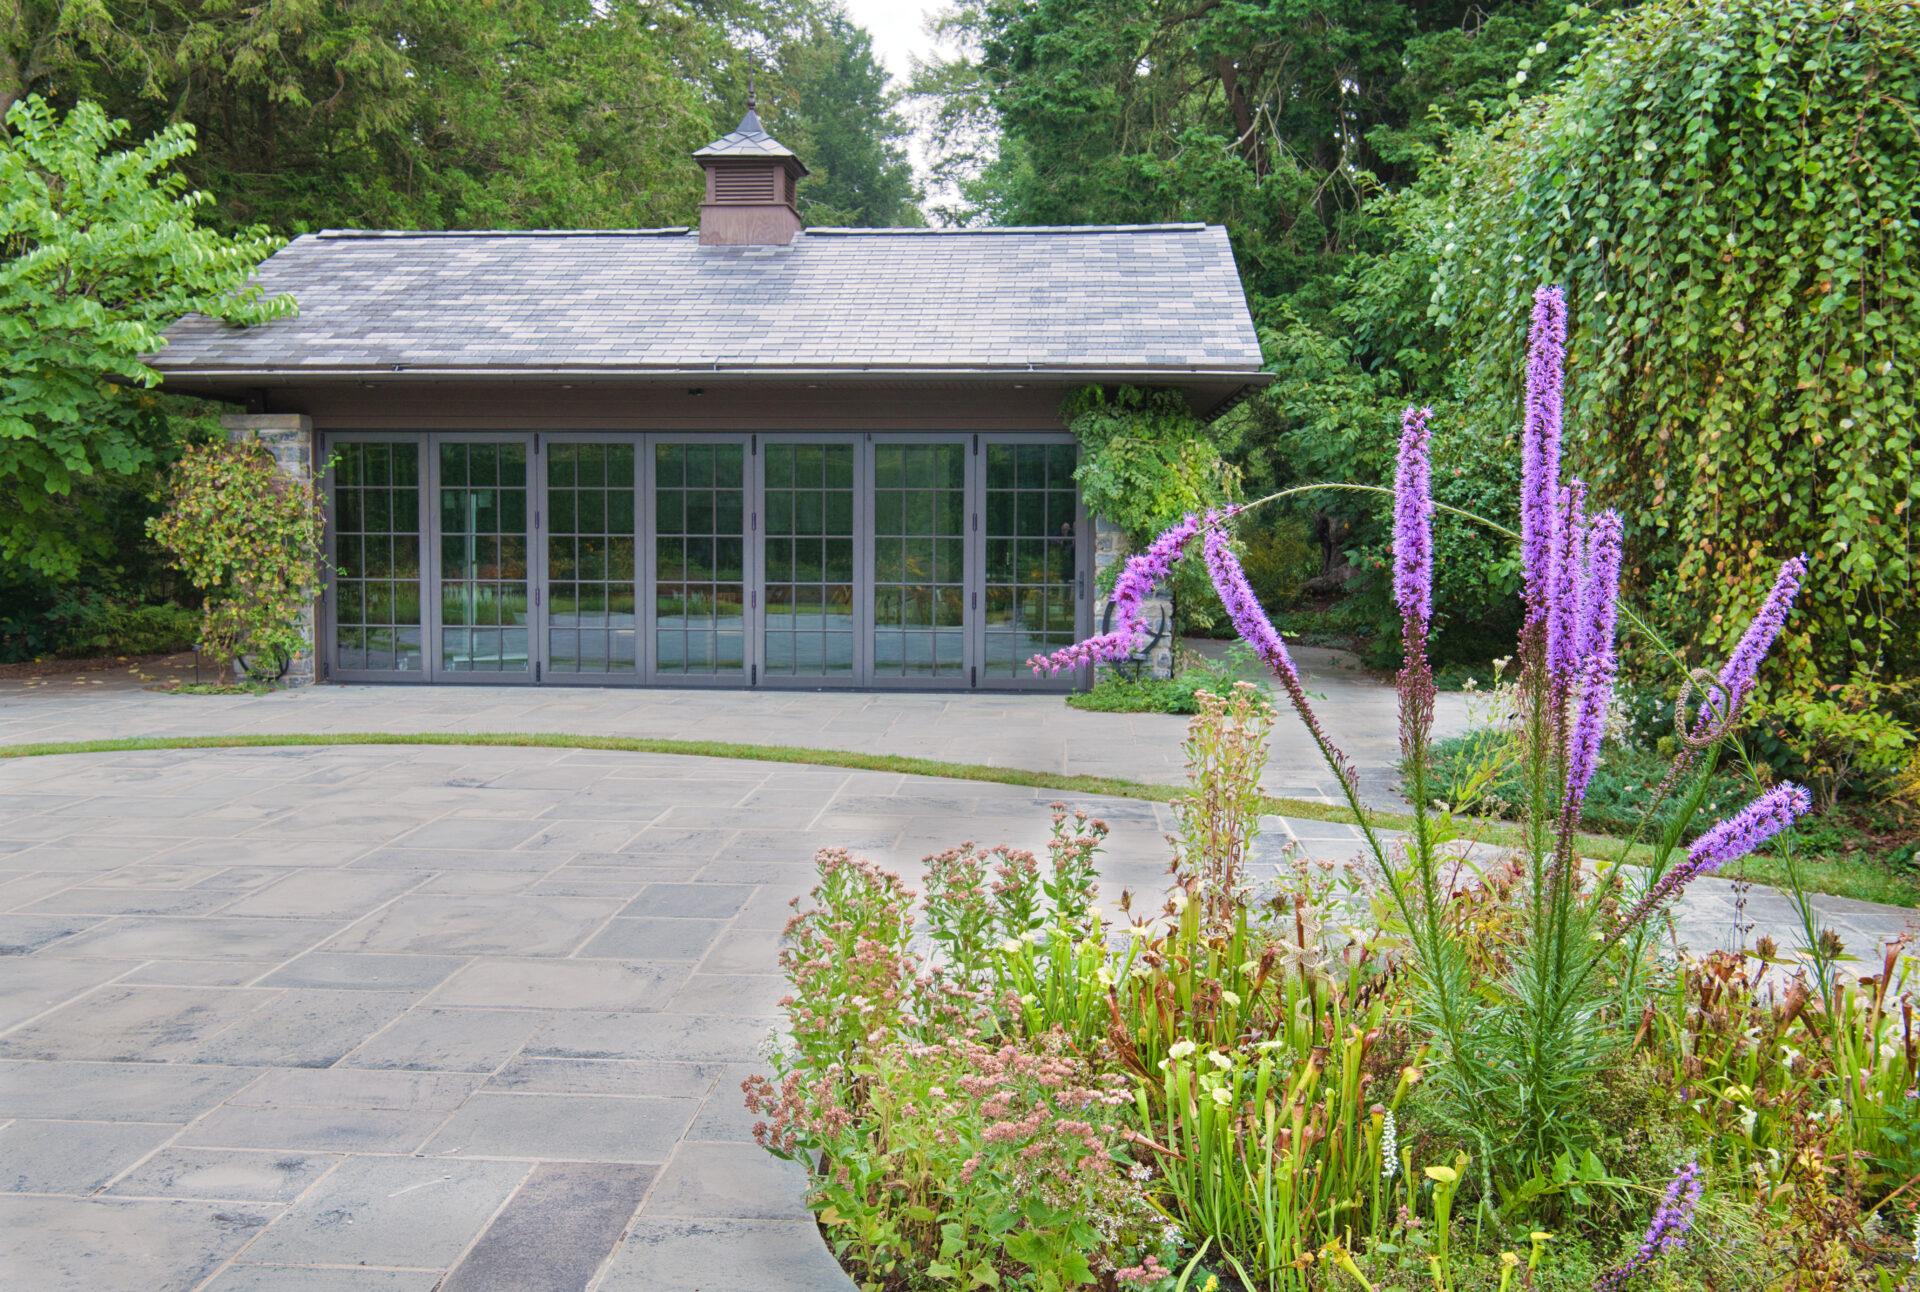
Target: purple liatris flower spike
x=1589, y=725
x=1729, y=841
x=1666, y=1232
x=1243, y=608
x=1413, y=520
x=1251, y=622
x=1136, y=583
x=1743, y=666
x=1540, y=441
x=1600, y=583
x=1566, y=615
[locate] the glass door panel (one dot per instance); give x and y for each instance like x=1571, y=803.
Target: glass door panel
x=591, y=626
x=807, y=496
x=484, y=621
x=699, y=559
x=1031, y=604
x=919, y=561
x=375, y=532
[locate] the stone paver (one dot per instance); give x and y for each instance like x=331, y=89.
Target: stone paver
x=508, y=1059
x=1037, y=732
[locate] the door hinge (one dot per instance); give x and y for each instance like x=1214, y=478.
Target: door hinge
x=753, y=522
x=536, y=672
x=973, y=676
x=976, y=600
x=753, y=675
x=753, y=600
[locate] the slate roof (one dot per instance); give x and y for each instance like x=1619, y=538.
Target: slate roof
x=1122, y=300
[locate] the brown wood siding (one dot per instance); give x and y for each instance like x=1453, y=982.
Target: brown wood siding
x=901, y=406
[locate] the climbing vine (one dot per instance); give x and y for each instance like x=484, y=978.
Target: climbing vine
x=1726, y=190
x=249, y=538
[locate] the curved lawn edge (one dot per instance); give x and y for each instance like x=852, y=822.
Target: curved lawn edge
x=1821, y=877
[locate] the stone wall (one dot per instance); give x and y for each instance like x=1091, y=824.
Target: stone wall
x=1110, y=547
x=289, y=437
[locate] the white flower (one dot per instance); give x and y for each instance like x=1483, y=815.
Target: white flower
x=1220, y=1060
x=1222, y=1096
x=1916, y=1237
x=1389, y=1147
x=1181, y=1049
x=1011, y=946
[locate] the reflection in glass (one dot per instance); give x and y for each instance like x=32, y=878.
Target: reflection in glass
x=483, y=557
x=590, y=558
x=699, y=565
x=809, y=626
x=919, y=560
x=376, y=557
x=1031, y=572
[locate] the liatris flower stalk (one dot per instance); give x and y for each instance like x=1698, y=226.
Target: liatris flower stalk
x=1565, y=586
x=1666, y=1232
x=1600, y=588
x=1743, y=666
x=1599, y=598
x=1729, y=841
x=1413, y=520
x=1136, y=583
x=1540, y=441
x=1251, y=622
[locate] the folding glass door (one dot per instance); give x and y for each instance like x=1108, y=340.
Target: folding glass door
x=798, y=560
x=810, y=561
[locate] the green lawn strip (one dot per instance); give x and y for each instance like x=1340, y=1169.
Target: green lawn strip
x=1824, y=877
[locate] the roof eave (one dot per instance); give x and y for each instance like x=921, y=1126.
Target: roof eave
x=304, y=373
x=1229, y=386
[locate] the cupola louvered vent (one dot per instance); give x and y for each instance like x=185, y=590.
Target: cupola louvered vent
x=744, y=184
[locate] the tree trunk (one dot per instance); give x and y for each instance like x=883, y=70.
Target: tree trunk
x=1245, y=140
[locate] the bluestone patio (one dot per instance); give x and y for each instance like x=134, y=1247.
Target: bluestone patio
x=406, y=1017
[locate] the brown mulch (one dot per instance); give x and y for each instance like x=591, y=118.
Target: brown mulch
x=137, y=668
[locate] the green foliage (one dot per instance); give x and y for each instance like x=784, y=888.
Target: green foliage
x=437, y=114
x=847, y=130
x=250, y=539
x=102, y=250
x=1145, y=459
x=1177, y=694
x=1726, y=192
x=80, y=624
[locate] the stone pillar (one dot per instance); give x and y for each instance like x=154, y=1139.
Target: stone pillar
x=289, y=437
x=1110, y=548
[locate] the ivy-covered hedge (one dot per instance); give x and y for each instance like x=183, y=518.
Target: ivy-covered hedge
x=1727, y=190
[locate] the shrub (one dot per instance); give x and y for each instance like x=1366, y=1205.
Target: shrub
x=80, y=625
x=250, y=538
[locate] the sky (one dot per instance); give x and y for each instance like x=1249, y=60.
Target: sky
x=898, y=28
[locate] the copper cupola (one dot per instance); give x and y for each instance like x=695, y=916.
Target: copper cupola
x=751, y=177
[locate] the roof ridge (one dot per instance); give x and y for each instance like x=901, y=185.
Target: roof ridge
x=669, y=231
x=829, y=231
x=834, y=230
